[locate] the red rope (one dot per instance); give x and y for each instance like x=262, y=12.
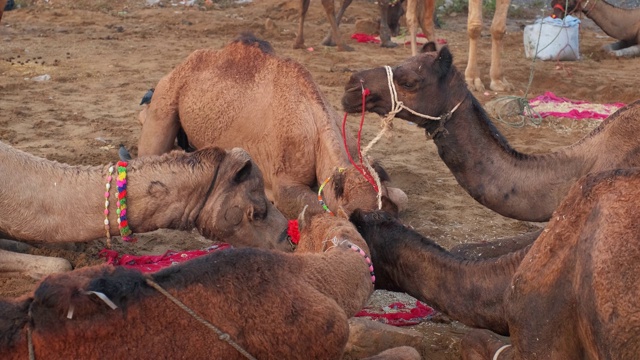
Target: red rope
x=360, y=168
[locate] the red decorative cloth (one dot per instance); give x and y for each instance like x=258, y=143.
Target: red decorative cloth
x=365, y=38
x=397, y=314
x=549, y=104
x=153, y=263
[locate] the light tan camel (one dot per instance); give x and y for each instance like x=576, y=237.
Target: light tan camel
x=621, y=24
x=574, y=294
x=474, y=29
x=271, y=304
x=390, y=12
x=521, y=186
x=219, y=193
x=239, y=97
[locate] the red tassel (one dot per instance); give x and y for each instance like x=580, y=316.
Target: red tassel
x=293, y=231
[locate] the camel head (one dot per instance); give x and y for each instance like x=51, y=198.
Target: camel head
x=427, y=84
x=237, y=211
x=350, y=190
x=561, y=8
x=317, y=231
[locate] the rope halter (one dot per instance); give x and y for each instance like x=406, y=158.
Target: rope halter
x=397, y=105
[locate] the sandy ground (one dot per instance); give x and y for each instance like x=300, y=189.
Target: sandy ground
x=103, y=55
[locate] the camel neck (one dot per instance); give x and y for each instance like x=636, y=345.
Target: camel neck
x=516, y=185
x=621, y=24
x=469, y=291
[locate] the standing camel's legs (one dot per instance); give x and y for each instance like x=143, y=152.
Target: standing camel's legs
x=426, y=19
x=304, y=6
x=498, y=30
x=385, y=32
x=474, y=29
x=328, y=40
x=329, y=8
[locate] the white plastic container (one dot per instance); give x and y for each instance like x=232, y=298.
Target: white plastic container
x=558, y=39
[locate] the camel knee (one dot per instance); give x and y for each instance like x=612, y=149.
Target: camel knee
x=474, y=31
x=498, y=32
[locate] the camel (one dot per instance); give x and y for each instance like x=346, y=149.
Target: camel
x=237, y=97
x=474, y=30
x=3, y=3
x=520, y=186
x=390, y=13
x=573, y=294
x=221, y=193
x=621, y=24
x=271, y=304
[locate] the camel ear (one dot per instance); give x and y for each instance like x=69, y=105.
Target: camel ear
x=341, y=213
x=443, y=62
x=428, y=47
x=303, y=218
x=244, y=172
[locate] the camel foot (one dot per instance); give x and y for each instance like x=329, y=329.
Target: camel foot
x=398, y=197
x=345, y=47
x=475, y=84
x=388, y=44
x=629, y=52
x=483, y=344
x=299, y=45
x=328, y=41
x=501, y=85
x=32, y=265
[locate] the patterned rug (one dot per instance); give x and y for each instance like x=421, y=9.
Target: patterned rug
x=549, y=104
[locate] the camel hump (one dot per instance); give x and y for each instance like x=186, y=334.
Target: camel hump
x=248, y=39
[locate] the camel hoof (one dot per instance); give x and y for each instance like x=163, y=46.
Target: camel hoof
x=328, y=41
x=398, y=197
x=475, y=85
x=345, y=47
x=299, y=45
x=388, y=44
x=501, y=85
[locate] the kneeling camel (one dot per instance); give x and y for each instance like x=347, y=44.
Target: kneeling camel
x=270, y=304
x=221, y=193
x=245, y=96
x=573, y=294
x=521, y=186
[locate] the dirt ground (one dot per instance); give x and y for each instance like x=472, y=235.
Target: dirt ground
x=102, y=56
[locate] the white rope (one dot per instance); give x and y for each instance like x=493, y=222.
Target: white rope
x=495, y=356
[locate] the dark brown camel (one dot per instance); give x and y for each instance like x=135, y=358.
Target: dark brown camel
x=238, y=97
x=221, y=193
x=274, y=305
x=521, y=186
x=621, y=24
x=573, y=294
x=390, y=13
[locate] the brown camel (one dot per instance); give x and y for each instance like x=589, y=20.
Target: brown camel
x=237, y=97
x=3, y=3
x=573, y=294
x=521, y=186
x=621, y=24
x=221, y=193
x=390, y=13
x=273, y=305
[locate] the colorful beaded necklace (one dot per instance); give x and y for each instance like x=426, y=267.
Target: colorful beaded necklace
x=106, y=206
x=320, y=200
x=121, y=194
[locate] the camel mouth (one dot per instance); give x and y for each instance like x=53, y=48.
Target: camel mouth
x=352, y=101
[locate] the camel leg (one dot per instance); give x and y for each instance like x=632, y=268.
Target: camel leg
x=498, y=30
x=483, y=344
x=412, y=23
x=291, y=198
x=32, y=265
x=616, y=46
x=329, y=8
x=385, y=32
x=631, y=51
x=161, y=124
x=474, y=29
x=328, y=40
x=304, y=6
x=427, y=21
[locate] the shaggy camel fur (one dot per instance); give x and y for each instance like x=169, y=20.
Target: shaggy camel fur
x=390, y=13
x=274, y=305
x=237, y=96
x=573, y=295
x=219, y=193
x=621, y=24
x=517, y=185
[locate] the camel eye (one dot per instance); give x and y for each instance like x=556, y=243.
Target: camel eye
x=409, y=84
